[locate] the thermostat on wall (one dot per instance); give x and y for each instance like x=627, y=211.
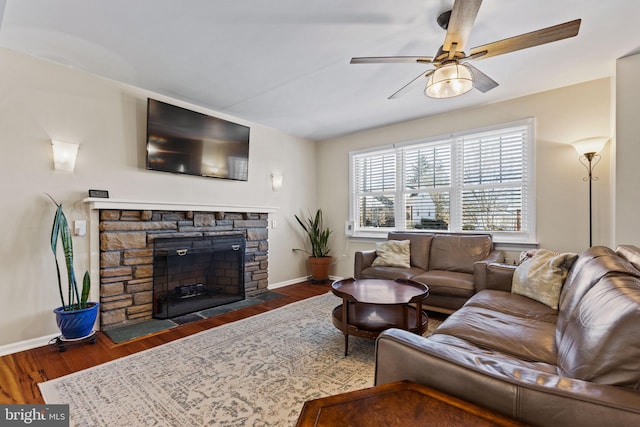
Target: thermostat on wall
x=103, y=194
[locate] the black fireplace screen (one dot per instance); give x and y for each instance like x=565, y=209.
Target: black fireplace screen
x=192, y=274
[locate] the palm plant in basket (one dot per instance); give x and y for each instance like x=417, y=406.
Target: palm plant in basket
x=76, y=316
x=318, y=234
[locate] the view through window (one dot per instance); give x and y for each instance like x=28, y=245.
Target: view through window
x=478, y=181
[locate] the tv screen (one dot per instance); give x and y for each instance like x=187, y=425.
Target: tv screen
x=188, y=142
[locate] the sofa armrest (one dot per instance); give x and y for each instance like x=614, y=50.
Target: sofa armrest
x=480, y=269
x=363, y=259
x=501, y=383
x=495, y=276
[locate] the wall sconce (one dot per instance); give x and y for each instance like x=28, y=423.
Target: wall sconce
x=588, y=150
x=276, y=181
x=64, y=155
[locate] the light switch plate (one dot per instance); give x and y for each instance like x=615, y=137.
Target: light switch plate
x=80, y=227
x=348, y=228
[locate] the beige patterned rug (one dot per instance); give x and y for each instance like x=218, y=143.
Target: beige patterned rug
x=255, y=372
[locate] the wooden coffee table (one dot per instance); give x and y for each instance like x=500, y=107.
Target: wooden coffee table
x=402, y=403
x=370, y=306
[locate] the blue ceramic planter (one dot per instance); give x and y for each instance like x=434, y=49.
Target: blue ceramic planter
x=77, y=323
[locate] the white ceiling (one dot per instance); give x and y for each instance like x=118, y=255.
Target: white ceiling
x=285, y=63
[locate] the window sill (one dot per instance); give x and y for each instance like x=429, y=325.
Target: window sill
x=515, y=246
x=503, y=245
x=369, y=235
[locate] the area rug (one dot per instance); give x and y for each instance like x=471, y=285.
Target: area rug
x=257, y=371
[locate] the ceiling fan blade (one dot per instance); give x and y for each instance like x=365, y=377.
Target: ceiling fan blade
x=391, y=59
x=404, y=89
x=481, y=81
x=461, y=22
x=524, y=41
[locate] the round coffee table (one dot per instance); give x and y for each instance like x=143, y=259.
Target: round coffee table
x=370, y=306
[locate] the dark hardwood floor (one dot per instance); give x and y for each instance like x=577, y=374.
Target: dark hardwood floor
x=21, y=372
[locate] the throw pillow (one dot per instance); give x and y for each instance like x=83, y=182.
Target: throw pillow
x=541, y=277
x=393, y=253
x=525, y=255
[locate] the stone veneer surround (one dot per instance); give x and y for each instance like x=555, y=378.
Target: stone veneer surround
x=126, y=254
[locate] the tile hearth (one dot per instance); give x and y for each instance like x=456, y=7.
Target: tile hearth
x=136, y=330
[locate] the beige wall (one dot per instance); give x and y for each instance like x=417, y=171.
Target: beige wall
x=627, y=177
x=562, y=116
x=40, y=101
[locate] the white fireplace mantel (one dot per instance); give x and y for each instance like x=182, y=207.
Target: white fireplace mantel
x=96, y=203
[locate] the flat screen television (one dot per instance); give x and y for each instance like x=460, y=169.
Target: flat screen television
x=192, y=143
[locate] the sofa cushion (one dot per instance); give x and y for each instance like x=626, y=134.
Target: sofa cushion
x=584, y=258
x=497, y=361
x=630, y=253
x=574, y=287
x=601, y=342
x=515, y=305
x=592, y=265
x=391, y=273
x=449, y=283
x=454, y=252
x=541, y=276
x=392, y=253
x=420, y=247
x=524, y=338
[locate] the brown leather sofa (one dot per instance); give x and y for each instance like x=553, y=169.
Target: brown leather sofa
x=452, y=265
x=578, y=365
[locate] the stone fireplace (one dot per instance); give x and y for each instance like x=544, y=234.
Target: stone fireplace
x=126, y=256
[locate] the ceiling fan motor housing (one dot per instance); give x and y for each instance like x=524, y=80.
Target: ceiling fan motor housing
x=443, y=19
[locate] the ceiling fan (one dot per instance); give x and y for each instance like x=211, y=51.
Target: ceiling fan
x=452, y=74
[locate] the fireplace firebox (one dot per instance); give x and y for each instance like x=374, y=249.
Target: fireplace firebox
x=192, y=274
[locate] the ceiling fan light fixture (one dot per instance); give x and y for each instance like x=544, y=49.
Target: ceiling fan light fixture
x=448, y=81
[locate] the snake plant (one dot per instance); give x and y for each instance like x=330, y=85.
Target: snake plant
x=60, y=231
x=318, y=234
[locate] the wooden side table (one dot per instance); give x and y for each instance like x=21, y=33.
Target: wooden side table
x=370, y=306
x=402, y=403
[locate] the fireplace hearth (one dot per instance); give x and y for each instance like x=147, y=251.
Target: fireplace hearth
x=196, y=273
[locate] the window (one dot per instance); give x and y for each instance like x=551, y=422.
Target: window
x=479, y=181
x=376, y=186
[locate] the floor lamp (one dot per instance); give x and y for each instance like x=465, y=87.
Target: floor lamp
x=588, y=150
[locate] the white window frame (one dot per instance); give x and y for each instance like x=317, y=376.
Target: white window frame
x=527, y=235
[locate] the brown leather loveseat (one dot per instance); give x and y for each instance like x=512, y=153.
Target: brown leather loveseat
x=578, y=365
x=452, y=265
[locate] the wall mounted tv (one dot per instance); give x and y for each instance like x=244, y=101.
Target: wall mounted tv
x=188, y=142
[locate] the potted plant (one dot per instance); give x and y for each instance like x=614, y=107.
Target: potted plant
x=319, y=258
x=76, y=316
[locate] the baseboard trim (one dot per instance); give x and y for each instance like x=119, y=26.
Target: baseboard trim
x=27, y=344
x=41, y=341
x=298, y=280
x=286, y=283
